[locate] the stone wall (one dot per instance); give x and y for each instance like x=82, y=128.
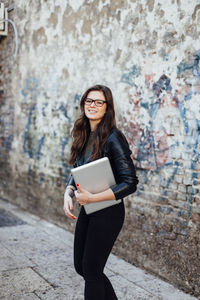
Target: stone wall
x=147, y=52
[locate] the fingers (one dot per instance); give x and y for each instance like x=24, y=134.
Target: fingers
x=82, y=190
x=69, y=214
x=82, y=196
x=79, y=197
x=67, y=211
x=76, y=193
x=71, y=204
x=68, y=200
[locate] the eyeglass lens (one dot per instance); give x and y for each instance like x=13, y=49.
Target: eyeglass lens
x=97, y=102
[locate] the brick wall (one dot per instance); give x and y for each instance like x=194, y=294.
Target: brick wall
x=147, y=52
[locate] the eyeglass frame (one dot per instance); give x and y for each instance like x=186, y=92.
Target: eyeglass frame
x=94, y=102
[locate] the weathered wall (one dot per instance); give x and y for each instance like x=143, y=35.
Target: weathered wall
x=147, y=52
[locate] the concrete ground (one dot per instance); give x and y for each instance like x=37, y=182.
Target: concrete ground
x=36, y=262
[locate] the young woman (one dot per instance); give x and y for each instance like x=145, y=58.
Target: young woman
x=95, y=135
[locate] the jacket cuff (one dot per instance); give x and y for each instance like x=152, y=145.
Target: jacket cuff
x=71, y=187
x=71, y=182
x=122, y=190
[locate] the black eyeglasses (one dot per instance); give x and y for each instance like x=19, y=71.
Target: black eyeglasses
x=97, y=102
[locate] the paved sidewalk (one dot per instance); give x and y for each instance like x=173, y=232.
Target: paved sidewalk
x=36, y=263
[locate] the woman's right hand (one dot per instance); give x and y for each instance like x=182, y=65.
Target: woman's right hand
x=68, y=203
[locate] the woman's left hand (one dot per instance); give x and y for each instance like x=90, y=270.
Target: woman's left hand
x=82, y=196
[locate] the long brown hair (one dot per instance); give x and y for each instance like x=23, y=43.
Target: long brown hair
x=81, y=129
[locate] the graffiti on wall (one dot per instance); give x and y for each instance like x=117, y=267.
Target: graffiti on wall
x=171, y=134
x=46, y=135
x=6, y=125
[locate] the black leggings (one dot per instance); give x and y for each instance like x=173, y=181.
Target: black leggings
x=95, y=235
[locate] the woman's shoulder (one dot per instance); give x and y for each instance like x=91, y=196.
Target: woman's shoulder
x=117, y=145
x=116, y=135
x=117, y=142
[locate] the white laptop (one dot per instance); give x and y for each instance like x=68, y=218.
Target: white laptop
x=95, y=177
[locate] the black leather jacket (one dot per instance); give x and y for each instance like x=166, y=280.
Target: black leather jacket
x=117, y=150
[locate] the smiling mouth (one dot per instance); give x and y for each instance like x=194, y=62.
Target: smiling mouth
x=91, y=111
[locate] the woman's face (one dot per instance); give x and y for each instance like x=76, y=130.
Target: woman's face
x=93, y=112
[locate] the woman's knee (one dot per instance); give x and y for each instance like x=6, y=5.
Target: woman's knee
x=87, y=271
x=91, y=271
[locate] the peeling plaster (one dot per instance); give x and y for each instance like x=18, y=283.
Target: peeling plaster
x=150, y=4
x=53, y=19
x=75, y=4
x=196, y=11
x=39, y=37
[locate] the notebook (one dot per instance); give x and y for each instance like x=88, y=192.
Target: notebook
x=95, y=177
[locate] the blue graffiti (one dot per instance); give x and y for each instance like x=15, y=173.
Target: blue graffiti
x=65, y=141
x=182, y=67
x=42, y=177
x=146, y=147
x=8, y=142
x=27, y=145
x=196, y=64
x=171, y=178
x=130, y=76
x=77, y=99
x=63, y=108
x=33, y=145
x=43, y=109
x=64, y=162
x=41, y=142
x=163, y=84
x=31, y=89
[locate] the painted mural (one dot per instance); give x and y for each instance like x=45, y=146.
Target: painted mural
x=171, y=132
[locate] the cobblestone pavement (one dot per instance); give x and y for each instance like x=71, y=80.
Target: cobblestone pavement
x=36, y=262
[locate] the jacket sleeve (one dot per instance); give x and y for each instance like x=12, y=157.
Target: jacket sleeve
x=71, y=179
x=71, y=182
x=119, y=153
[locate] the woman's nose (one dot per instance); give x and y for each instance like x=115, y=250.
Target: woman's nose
x=92, y=104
